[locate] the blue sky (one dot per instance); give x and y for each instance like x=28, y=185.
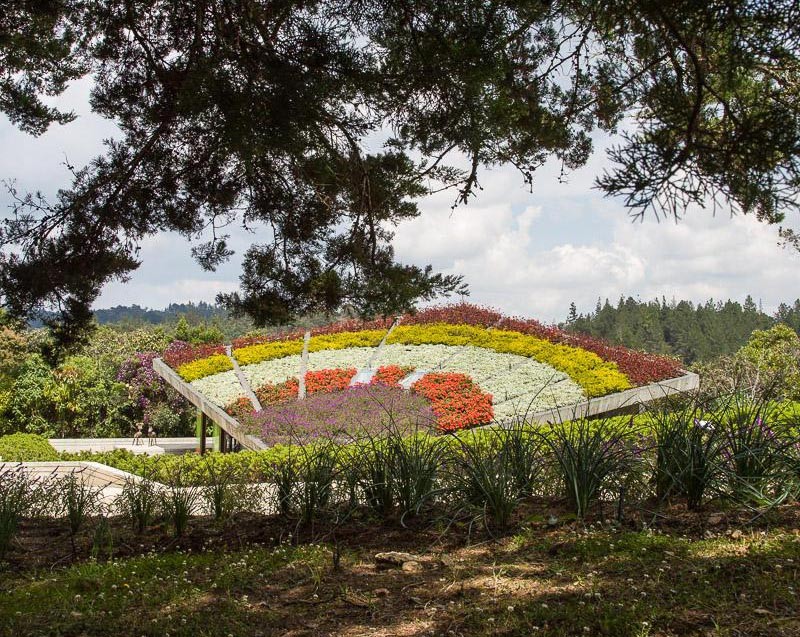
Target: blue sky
x=528, y=253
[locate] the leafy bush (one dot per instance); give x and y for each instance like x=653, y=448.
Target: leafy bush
x=21, y=447
x=77, y=399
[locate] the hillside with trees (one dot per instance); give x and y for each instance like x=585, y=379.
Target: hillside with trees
x=691, y=332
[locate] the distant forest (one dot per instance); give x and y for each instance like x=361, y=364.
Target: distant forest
x=680, y=328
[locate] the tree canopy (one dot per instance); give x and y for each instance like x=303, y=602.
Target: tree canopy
x=257, y=112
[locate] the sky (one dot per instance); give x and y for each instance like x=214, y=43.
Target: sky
x=526, y=252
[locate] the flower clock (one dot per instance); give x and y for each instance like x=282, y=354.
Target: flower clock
x=447, y=368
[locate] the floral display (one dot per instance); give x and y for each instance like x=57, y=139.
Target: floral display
x=391, y=375
x=472, y=365
x=639, y=367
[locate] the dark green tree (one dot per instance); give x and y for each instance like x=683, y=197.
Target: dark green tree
x=256, y=112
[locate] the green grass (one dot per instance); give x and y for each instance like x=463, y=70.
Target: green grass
x=176, y=594
x=551, y=582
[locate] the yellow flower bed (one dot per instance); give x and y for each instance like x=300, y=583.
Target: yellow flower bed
x=267, y=351
x=596, y=376
x=278, y=349
x=215, y=364
x=346, y=340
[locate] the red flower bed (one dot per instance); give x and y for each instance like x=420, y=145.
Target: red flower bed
x=329, y=380
x=390, y=375
x=273, y=394
x=457, y=402
x=181, y=352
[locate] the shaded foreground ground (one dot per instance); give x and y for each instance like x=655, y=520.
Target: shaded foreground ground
x=702, y=574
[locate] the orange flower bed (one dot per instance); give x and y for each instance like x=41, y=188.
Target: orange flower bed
x=457, y=402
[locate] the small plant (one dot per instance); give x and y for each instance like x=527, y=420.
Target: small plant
x=753, y=450
x=139, y=501
x=316, y=473
x=227, y=490
x=79, y=500
x=179, y=500
x=285, y=476
x=688, y=451
x=102, y=540
x=18, y=497
x=591, y=455
x=415, y=463
x=526, y=457
x=376, y=475
x=482, y=479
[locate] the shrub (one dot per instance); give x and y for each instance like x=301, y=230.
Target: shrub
x=22, y=447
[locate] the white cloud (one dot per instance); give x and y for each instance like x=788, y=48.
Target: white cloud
x=495, y=248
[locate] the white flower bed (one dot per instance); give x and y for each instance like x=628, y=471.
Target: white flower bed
x=273, y=371
x=513, y=381
x=357, y=357
x=222, y=389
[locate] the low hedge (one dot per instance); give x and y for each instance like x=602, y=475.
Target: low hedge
x=21, y=447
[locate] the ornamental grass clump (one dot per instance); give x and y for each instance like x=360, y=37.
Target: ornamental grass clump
x=317, y=472
x=78, y=500
x=415, y=465
x=179, y=500
x=139, y=500
x=481, y=478
x=754, y=450
x=375, y=477
x=593, y=456
x=227, y=489
x=20, y=496
x=688, y=448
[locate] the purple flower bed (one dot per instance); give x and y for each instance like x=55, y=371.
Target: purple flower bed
x=358, y=411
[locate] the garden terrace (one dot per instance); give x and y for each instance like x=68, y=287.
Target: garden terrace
x=473, y=366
